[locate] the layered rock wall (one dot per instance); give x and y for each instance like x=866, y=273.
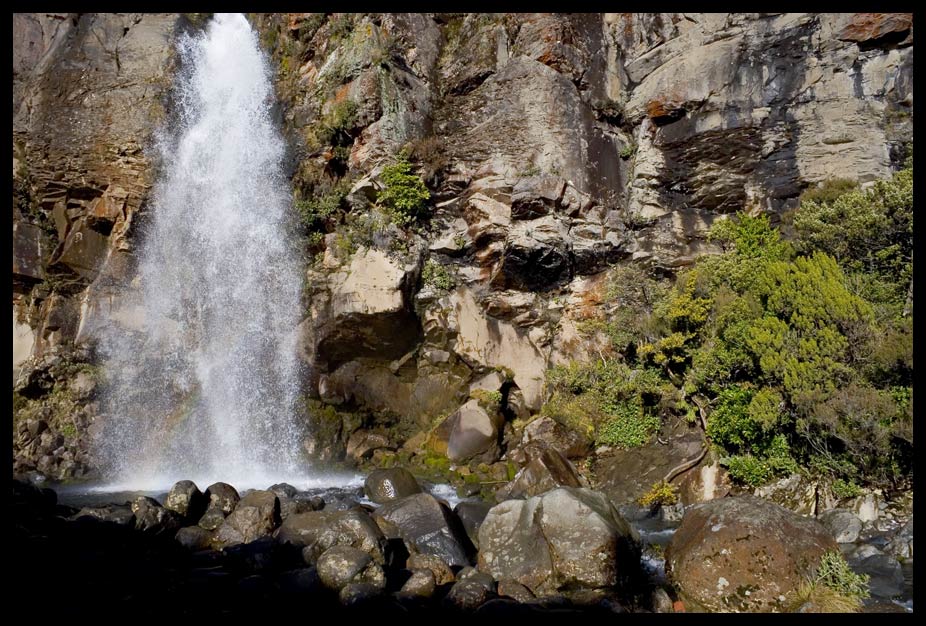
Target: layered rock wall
x=554, y=146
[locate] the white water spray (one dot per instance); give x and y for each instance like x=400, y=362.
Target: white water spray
x=208, y=390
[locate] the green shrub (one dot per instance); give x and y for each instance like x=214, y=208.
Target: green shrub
x=828, y=191
x=747, y=469
x=437, y=276
x=845, y=489
x=836, y=574
x=315, y=210
x=491, y=401
x=661, y=493
x=628, y=427
x=865, y=230
x=405, y=194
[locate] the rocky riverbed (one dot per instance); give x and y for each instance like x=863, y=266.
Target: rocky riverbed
x=392, y=547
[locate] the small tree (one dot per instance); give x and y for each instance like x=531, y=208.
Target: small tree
x=405, y=195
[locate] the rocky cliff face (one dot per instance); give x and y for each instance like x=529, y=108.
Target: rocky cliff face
x=554, y=146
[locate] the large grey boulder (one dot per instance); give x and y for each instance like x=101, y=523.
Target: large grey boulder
x=544, y=469
x=420, y=584
x=568, y=442
x=901, y=545
x=566, y=538
x=471, y=515
x=844, y=525
x=426, y=526
x=256, y=515
x=434, y=564
x=341, y=565
x=726, y=547
x=383, y=485
x=470, y=434
x=317, y=531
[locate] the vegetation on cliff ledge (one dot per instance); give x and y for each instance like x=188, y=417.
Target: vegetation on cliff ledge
x=801, y=351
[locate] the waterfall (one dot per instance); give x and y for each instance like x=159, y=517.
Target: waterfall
x=207, y=389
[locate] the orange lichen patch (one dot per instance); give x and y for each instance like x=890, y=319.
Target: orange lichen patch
x=678, y=606
x=870, y=27
x=341, y=94
x=664, y=109
x=628, y=24
x=294, y=20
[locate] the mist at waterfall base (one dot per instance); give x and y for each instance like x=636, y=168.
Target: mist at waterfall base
x=207, y=388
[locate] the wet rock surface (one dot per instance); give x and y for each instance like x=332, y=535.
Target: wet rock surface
x=361, y=571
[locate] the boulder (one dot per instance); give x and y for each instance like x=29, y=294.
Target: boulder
x=567, y=538
x=901, y=544
x=317, y=531
x=728, y=547
x=661, y=602
x=341, y=565
x=866, y=507
x=151, y=517
x=704, y=483
x=363, y=443
x=515, y=591
x=186, y=500
x=212, y=518
x=222, y=496
x=383, y=485
x=110, y=513
x=257, y=514
x=794, y=492
x=194, y=538
x=844, y=525
x=473, y=574
x=284, y=490
x=570, y=443
x=886, y=575
x=545, y=469
x=359, y=594
x=469, y=434
x=467, y=595
x=420, y=584
x=471, y=515
x=427, y=526
x=442, y=573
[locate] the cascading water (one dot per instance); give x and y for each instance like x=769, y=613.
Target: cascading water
x=208, y=389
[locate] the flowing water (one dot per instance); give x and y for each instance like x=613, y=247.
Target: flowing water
x=207, y=389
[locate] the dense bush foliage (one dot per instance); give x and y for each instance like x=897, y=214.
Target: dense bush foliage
x=802, y=348
x=405, y=194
